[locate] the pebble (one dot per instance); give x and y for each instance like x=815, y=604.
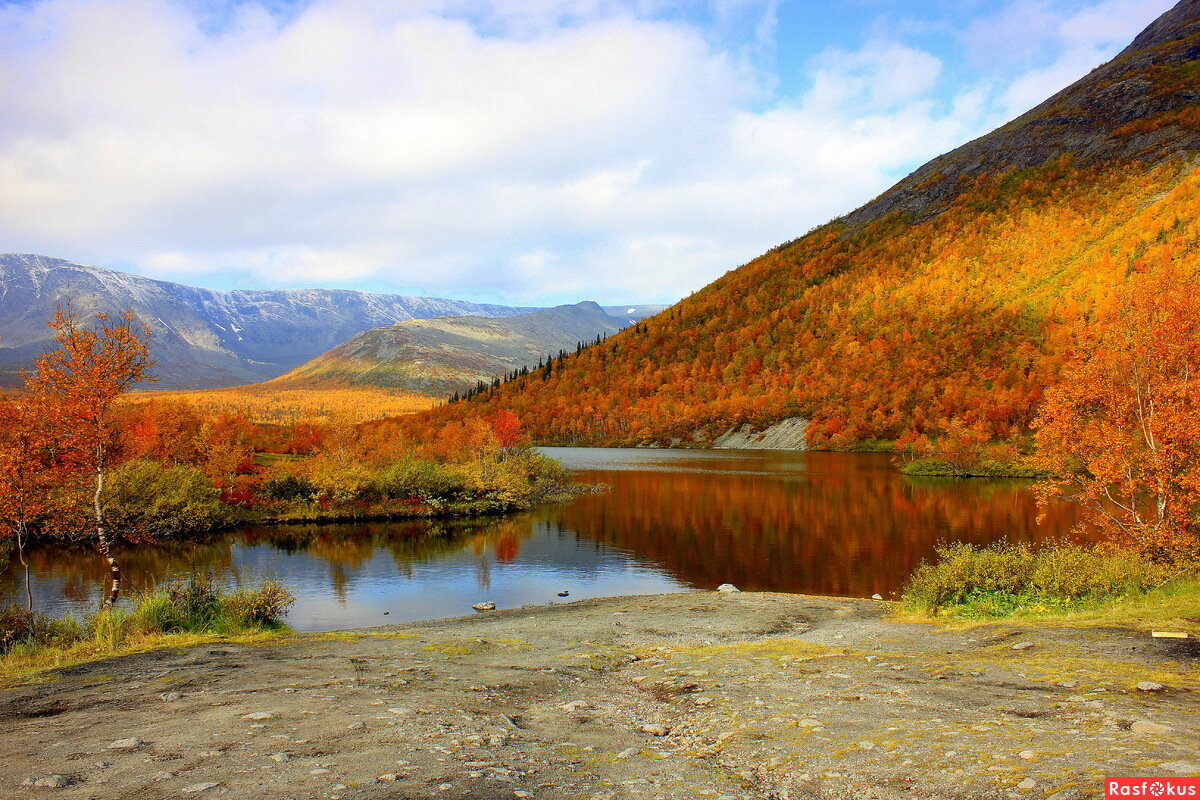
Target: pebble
x=1150, y=686
x=400, y=711
x=445, y=787
x=162, y=775
x=865, y=745
x=521, y=793
x=1068, y=684
x=47, y=782
x=255, y=716
x=199, y=787
x=169, y=696
x=877, y=596
x=809, y=723
x=1028, y=755
x=132, y=743
x=356, y=726
x=388, y=777
x=486, y=606
x=1028, y=783
x=318, y=771
x=655, y=730
x=1147, y=728
x=281, y=757
x=727, y=588
x=1022, y=645
x=627, y=752
x=210, y=753
x=702, y=701
x=574, y=705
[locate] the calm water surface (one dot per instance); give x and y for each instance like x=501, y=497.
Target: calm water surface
x=826, y=523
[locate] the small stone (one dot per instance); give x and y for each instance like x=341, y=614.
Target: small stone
x=339, y=786
x=281, y=757
x=255, y=716
x=1067, y=684
x=727, y=588
x=170, y=696
x=318, y=771
x=388, y=777
x=445, y=787
x=865, y=745
x=877, y=596
x=495, y=740
x=655, y=730
x=132, y=743
x=1150, y=686
x=629, y=751
x=486, y=606
x=809, y=723
x=199, y=787
x=210, y=753
x=47, y=782
x=574, y=705
x=401, y=711
x=1028, y=755
x=1022, y=645
x=356, y=726
x=1147, y=728
x=162, y=775
x=1028, y=783
x=702, y=701
x=521, y=793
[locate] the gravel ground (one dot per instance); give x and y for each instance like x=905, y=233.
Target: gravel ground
x=696, y=695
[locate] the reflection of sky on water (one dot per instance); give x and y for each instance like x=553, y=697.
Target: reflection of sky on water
x=443, y=581
x=549, y=561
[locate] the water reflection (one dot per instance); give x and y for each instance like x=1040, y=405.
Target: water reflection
x=826, y=523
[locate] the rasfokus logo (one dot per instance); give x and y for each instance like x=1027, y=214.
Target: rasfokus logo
x=1151, y=787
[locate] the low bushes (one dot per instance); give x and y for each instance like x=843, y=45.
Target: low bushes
x=1005, y=579
x=195, y=607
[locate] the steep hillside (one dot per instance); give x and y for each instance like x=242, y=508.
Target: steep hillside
x=451, y=354
x=201, y=337
x=949, y=300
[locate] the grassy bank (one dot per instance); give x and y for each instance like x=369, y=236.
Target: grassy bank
x=176, y=615
x=936, y=468
x=1061, y=583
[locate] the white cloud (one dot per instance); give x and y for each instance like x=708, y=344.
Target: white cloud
x=528, y=151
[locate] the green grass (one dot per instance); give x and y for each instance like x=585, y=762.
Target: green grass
x=177, y=615
x=1059, y=582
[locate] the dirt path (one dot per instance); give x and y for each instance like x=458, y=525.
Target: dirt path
x=694, y=695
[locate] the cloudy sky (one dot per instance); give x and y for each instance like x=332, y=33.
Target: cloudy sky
x=518, y=151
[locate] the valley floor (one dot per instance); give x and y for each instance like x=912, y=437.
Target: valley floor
x=695, y=695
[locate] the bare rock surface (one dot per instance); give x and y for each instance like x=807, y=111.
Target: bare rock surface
x=805, y=698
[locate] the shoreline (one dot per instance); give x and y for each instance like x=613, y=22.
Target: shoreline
x=696, y=694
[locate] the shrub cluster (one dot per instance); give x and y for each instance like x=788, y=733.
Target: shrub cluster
x=196, y=606
x=1006, y=578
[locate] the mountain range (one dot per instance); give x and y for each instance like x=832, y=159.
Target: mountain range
x=204, y=338
x=948, y=303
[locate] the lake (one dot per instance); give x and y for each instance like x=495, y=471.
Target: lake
x=672, y=520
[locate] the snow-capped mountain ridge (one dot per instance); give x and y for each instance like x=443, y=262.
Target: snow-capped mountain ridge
x=201, y=337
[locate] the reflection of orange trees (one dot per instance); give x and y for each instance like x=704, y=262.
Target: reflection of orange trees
x=891, y=331
x=828, y=533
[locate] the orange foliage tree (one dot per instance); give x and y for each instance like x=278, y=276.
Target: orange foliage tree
x=31, y=472
x=1121, y=430
x=79, y=383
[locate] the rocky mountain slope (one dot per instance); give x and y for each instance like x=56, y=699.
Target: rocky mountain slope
x=451, y=354
x=948, y=303
x=201, y=337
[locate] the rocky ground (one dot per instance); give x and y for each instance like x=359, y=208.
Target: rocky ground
x=698, y=695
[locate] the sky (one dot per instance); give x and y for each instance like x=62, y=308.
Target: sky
x=528, y=152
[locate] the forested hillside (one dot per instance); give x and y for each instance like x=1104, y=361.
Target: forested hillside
x=949, y=303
